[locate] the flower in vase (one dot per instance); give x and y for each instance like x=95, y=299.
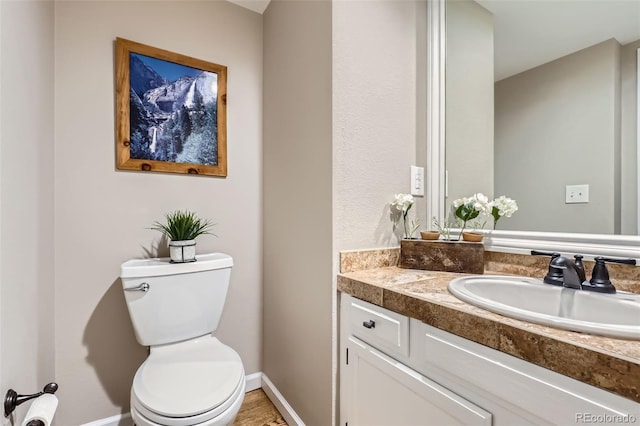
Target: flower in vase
x=469, y=208
x=403, y=203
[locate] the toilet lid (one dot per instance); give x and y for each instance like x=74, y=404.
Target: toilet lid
x=188, y=378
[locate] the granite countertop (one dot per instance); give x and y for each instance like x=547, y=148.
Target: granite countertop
x=608, y=363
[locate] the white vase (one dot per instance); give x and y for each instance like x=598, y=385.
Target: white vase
x=182, y=251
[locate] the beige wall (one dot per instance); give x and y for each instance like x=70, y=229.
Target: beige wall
x=469, y=106
x=568, y=103
x=340, y=135
x=102, y=215
x=379, y=115
x=26, y=197
x=375, y=58
x=297, y=185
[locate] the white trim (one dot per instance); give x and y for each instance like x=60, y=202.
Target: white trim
x=280, y=403
x=112, y=421
x=253, y=382
x=435, y=173
x=589, y=245
x=638, y=139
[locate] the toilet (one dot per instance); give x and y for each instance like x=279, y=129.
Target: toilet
x=190, y=377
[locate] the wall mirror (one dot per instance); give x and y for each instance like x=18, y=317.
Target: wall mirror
x=509, y=116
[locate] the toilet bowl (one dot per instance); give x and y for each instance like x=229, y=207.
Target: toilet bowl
x=189, y=378
x=197, y=382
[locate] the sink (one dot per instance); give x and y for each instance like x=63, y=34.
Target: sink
x=529, y=299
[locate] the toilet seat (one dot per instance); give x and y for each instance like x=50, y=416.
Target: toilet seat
x=188, y=383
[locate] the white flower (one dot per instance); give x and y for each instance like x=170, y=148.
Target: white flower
x=403, y=202
x=505, y=206
x=480, y=200
x=460, y=201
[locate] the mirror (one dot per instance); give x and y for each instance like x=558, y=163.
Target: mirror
x=542, y=95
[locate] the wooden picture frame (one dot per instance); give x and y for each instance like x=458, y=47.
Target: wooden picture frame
x=171, y=112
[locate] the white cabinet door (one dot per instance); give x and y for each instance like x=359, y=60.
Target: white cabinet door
x=380, y=391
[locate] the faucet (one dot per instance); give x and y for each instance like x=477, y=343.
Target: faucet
x=564, y=271
x=567, y=273
x=600, y=281
x=572, y=272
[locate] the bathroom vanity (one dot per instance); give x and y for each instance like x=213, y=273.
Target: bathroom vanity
x=411, y=353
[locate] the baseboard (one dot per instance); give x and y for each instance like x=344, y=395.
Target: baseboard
x=119, y=420
x=280, y=403
x=254, y=381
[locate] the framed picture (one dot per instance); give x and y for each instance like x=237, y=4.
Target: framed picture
x=171, y=113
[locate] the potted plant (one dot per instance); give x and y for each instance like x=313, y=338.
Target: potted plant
x=478, y=207
x=470, y=208
x=182, y=228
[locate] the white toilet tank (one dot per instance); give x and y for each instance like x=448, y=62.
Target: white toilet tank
x=181, y=301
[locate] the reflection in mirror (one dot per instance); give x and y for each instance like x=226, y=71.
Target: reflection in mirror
x=541, y=95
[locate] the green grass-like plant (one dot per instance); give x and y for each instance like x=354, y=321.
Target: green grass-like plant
x=183, y=225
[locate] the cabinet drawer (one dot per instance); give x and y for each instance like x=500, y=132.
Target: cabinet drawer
x=379, y=327
x=480, y=373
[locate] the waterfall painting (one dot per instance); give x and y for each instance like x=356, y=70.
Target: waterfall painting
x=170, y=111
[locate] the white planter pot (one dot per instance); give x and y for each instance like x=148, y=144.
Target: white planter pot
x=182, y=251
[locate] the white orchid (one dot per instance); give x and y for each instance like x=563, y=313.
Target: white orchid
x=403, y=203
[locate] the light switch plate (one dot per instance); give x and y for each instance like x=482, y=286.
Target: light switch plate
x=577, y=194
x=417, y=180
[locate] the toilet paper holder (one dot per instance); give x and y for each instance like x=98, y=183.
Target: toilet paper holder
x=12, y=399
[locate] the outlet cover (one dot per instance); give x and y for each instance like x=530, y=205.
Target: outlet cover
x=577, y=194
